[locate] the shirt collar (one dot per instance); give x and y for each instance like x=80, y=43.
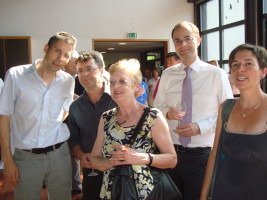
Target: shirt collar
x=106, y=90
x=195, y=65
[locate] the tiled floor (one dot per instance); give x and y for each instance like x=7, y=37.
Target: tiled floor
x=6, y=192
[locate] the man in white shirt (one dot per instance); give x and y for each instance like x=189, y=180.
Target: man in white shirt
x=210, y=87
x=34, y=102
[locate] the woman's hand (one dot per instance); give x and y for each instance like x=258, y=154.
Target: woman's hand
x=140, y=92
x=124, y=155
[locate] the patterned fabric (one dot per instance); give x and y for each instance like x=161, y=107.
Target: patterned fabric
x=117, y=135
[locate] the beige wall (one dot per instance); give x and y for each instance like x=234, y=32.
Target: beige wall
x=91, y=19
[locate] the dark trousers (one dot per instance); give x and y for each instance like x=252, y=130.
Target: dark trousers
x=91, y=185
x=188, y=175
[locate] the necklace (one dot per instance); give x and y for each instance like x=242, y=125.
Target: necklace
x=126, y=118
x=254, y=108
x=122, y=122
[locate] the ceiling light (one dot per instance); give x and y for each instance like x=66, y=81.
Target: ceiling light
x=103, y=52
x=122, y=43
x=111, y=49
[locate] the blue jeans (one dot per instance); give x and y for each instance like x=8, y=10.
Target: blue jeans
x=188, y=175
x=53, y=167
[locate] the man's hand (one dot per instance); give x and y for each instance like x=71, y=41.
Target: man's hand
x=174, y=114
x=188, y=130
x=85, y=162
x=11, y=172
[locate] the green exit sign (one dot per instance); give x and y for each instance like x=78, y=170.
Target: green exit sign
x=132, y=35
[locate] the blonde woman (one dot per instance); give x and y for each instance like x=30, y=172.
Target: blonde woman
x=116, y=127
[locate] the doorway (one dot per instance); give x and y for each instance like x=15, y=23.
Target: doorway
x=150, y=53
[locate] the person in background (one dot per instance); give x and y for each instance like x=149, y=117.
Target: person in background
x=235, y=91
x=85, y=113
x=152, y=85
x=172, y=59
x=214, y=62
x=207, y=87
x=1, y=86
x=34, y=102
x=70, y=68
x=115, y=128
x=147, y=76
x=142, y=94
x=243, y=171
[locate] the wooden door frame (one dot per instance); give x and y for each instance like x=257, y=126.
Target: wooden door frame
x=164, y=41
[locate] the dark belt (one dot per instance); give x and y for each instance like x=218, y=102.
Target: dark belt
x=44, y=150
x=180, y=148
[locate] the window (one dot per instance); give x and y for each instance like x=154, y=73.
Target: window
x=222, y=27
x=263, y=32
x=224, y=24
x=263, y=10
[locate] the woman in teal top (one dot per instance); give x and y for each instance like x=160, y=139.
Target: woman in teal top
x=242, y=173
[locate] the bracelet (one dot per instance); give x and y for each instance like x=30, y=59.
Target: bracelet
x=151, y=159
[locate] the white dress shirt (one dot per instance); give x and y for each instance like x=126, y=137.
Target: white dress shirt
x=210, y=87
x=152, y=82
x=36, y=110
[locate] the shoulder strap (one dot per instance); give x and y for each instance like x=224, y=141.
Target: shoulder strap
x=226, y=110
x=139, y=125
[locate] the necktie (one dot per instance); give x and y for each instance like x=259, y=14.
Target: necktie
x=187, y=98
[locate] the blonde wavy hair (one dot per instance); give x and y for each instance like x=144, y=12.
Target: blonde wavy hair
x=132, y=66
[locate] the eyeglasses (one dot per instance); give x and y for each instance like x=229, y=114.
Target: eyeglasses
x=120, y=82
x=60, y=53
x=87, y=69
x=186, y=40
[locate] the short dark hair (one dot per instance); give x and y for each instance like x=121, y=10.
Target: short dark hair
x=66, y=37
x=173, y=54
x=186, y=24
x=258, y=51
x=85, y=56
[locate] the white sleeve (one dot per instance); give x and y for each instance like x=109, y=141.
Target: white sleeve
x=160, y=100
x=7, y=96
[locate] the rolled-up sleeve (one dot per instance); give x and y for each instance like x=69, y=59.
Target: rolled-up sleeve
x=7, y=96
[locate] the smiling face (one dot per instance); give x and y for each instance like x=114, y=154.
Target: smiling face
x=122, y=86
x=89, y=75
x=245, y=70
x=57, y=56
x=186, y=43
